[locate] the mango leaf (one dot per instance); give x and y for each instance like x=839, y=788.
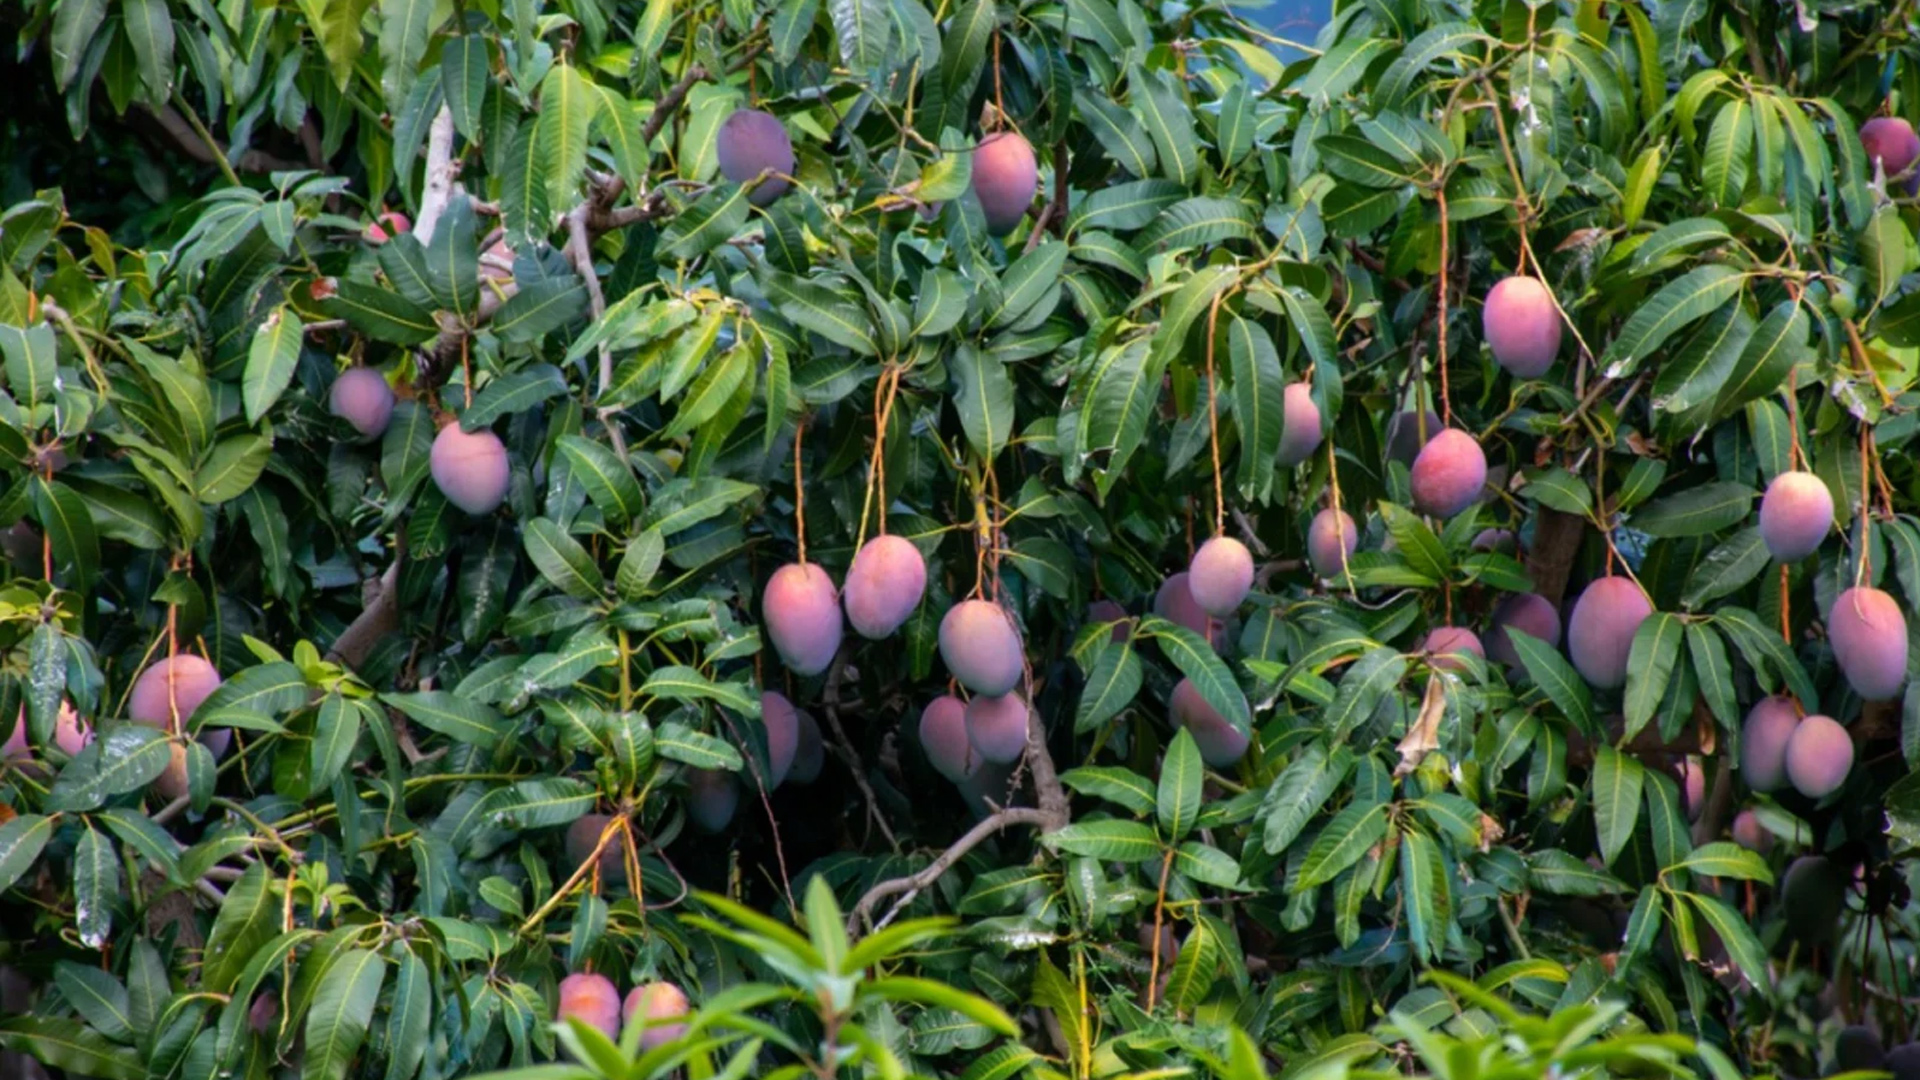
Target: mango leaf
x=1681, y=301
x=1617, y=780
x=983, y=396
x=1181, y=773
x=513, y=393
x=342, y=1011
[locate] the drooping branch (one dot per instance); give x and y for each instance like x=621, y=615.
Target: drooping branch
x=912, y=884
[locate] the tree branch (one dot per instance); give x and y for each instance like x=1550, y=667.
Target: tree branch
x=912, y=884
x=830, y=702
x=381, y=614
x=377, y=619
x=209, y=151
x=441, y=169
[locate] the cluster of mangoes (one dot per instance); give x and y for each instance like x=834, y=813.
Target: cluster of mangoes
x=593, y=1000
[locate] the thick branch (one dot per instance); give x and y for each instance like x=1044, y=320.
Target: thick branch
x=1054, y=808
x=441, y=169
x=1556, y=543
x=378, y=619
x=912, y=884
x=381, y=615
x=177, y=129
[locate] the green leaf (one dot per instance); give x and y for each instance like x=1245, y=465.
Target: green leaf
x=96, y=888
x=1370, y=679
x=68, y=524
x=1886, y=246
x=1028, y=281
x=74, y=25
x=336, y=729
x=677, y=683
x=1728, y=153
x=639, y=564
x=1121, y=135
x=709, y=393
x=941, y=303
x=1121, y=391
x=1164, y=112
x=1123, y=206
x=464, y=68
x=1339, y=68
x=1352, y=211
x=123, y=758
x=1195, y=968
x=379, y=313
x=1555, y=678
x=1111, y=685
x=983, y=396
x=567, y=105
x=940, y=995
x=1207, y=865
x=1695, y=511
x=1617, y=781
x=21, y=841
x=410, y=1016
x=1726, y=569
x=1669, y=242
x=1195, y=222
x=1397, y=83
x=247, y=921
x=1555, y=871
x=460, y=720
x=608, y=481
x=1560, y=490
x=1650, y=662
x=514, y=393
x=562, y=561
x=1726, y=860
x=791, y=23
x=1777, y=345
x=822, y=310
x=678, y=742
x=1299, y=792
x=1418, y=545
x=233, y=466
x=69, y=1045
x=403, y=41
x=524, y=205
x=1713, y=672
x=864, y=29
x=32, y=358
x=1763, y=648
x=1123, y=787
x=1181, y=774
x=98, y=997
x=1424, y=888
x=1195, y=658
x=538, y=308
x=1681, y=301
x=712, y=220
x=1356, y=159
x=1259, y=402
x=1123, y=841
x=1346, y=838
x=341, y=1012
x=1735, y=933
x=270, y=361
